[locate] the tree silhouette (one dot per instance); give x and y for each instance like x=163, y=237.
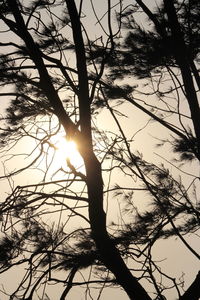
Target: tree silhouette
x=55, y=79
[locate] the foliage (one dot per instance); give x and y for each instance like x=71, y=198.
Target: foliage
x=58, y=78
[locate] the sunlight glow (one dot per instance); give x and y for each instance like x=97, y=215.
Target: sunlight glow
x=66, y=150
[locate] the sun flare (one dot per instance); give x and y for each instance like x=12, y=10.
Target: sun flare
x=66, y=150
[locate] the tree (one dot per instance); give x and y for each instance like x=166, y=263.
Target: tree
x=169, y=46
x=48, y=95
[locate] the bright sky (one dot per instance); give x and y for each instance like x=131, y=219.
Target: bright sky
x=58, y=150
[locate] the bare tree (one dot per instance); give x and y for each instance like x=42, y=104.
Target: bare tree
x=48, y=96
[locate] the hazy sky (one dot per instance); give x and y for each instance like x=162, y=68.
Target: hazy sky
x=135, y=124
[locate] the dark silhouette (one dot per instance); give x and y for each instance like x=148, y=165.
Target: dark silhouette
x=47, y=95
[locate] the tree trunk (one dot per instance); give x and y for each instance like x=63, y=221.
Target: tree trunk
x=193, y=292
x=110, y=255
x=183, y=61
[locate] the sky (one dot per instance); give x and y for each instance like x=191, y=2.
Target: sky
x=145, y=135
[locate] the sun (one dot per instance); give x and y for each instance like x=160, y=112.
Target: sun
x=66, y=150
